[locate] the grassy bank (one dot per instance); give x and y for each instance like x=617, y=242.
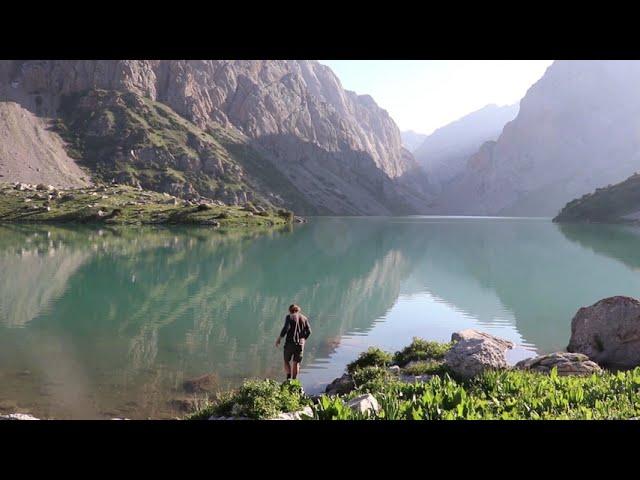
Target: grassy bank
x=119, y=204
x=509, y=394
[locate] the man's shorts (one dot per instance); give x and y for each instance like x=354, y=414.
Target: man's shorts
x=293, y=351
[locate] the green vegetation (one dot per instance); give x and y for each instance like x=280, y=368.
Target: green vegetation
x=494, y=395
x=511, y=394
x=119, y=204
x=421, y=350
x=607, y=204
x=257, y=399
x=429, y=367
x=373, y=357
x=136, y=140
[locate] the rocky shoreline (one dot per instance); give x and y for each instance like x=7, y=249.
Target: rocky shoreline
x=127, y=205
x=603, y=337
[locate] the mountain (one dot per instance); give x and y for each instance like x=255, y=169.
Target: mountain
x=412, y=140
x=281, y=132
x=31, y=153
x=577, y=129
x=614, y=203
x=444, y=153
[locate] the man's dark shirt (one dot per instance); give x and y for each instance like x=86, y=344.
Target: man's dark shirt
x=296, y=328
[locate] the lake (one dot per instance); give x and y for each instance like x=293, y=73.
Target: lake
x=102, y=323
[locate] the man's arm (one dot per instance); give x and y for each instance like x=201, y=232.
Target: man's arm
x=284, y=330
x=307, y=329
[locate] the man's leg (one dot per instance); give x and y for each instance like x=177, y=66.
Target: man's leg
x=287, y=369
x=295, y=370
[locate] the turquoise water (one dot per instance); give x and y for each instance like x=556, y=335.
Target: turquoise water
x=111, y=322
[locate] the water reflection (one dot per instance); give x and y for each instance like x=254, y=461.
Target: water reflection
x=111, y=322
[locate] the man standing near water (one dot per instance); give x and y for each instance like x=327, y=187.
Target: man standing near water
x=297, y=329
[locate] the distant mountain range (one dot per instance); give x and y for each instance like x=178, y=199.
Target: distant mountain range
x=444, y=153
x=412, y=140
x=275, y=132
x=577, y=130
x=285, y=133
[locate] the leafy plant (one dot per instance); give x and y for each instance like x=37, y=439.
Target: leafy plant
x=373, y=357
x=421, y=349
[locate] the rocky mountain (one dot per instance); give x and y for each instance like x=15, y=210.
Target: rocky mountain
x=577, y=129
x=31, y=153
x=444, y=154
x=412, y=140
x=283, y=132
x=614, y=203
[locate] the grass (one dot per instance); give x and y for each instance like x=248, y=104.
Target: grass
x=123, y=205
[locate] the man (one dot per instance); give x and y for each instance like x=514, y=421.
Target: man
x=297, y=330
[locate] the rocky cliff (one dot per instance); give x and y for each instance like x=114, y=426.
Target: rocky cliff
x=334, y=151
x=577, y=129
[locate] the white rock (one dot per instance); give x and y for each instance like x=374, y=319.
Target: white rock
x=18, y=416
x=364, y=404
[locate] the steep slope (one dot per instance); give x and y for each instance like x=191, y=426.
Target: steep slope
x=30, y=152
x=614, y=203
x=412, y=140
x=444, y=153
x=577, y=129
x=342, y=152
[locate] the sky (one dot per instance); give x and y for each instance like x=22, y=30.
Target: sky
x=422, y=95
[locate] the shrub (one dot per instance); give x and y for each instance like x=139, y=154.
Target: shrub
x=421, y=350
x=258, y=399
x=373, y=357
x=286, y=214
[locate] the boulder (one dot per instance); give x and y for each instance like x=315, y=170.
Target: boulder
x=474, y=352
x=295, y=415
x=18, y=416
x=364, y=404
x=565, y=363
x=608, y=332
x=394, y=369
x=341, y=385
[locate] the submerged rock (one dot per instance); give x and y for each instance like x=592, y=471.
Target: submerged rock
x=608, y=332
x=204, y=383
x=474, y=352
x=565, y=363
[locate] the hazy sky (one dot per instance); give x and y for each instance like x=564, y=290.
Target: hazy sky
x=422, y=95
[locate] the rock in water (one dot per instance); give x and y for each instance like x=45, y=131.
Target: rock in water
x=341, y=385
x=565, y=363
x=608, y=332
x=475, y=352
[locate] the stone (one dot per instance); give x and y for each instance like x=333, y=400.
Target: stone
x=308, y=411
x=474, y=352
x=341, y=385
x=18, y=416
x=608, y=332
x=565, y=363
x=364, y=404
x=395, y=369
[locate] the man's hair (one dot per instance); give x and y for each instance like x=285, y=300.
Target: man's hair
x=294, y=308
